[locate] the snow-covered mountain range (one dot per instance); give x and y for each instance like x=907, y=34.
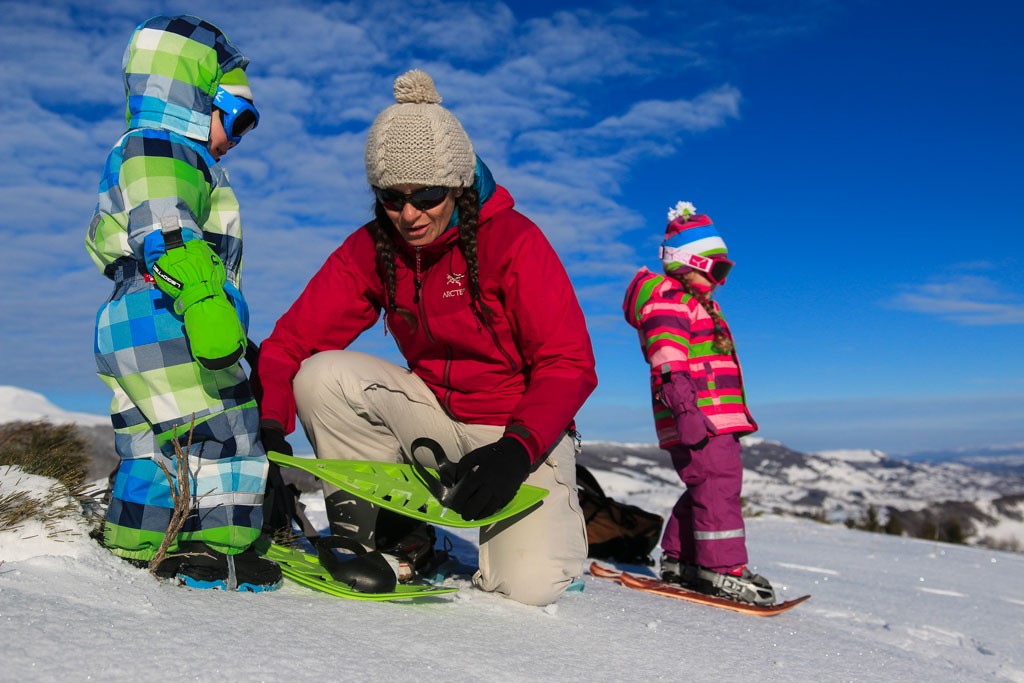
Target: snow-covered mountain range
x=946, y=501
x=976, y=497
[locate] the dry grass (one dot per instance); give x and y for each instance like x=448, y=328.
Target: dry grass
x=53, y=451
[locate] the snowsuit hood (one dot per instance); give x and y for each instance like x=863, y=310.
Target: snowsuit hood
x=172, y=67
x=638, y=293
x=677, y=335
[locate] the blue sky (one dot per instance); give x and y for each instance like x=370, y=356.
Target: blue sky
x=861, y=159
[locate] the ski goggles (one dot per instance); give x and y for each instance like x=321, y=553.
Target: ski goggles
x=717, y=268
x=422, y=200
x=240, y=115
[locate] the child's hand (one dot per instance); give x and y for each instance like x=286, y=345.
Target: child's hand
x=679, y=395
x=194, y=276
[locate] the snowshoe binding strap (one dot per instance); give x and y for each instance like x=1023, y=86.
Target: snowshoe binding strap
x=443, y=487
x=746, y=587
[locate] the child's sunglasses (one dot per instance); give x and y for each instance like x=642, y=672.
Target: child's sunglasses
x=717, y=268
x=240, y=115
x=422, y=200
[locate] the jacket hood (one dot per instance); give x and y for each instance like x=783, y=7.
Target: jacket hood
x=638, y=293
x=172, y=67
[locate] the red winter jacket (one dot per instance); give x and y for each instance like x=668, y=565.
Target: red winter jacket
x=530, y=370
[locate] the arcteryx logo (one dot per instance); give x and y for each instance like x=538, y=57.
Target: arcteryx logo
x=456, y=280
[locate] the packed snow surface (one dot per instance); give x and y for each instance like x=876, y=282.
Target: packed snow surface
x=884, y=609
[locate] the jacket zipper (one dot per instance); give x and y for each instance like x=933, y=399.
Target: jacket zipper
x=422, y=308
x=417, y=282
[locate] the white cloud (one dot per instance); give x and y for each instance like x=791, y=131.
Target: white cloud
x=553, y=103
x=965, y=300
x=660, y=119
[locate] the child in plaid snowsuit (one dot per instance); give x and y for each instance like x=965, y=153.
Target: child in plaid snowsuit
x=162, y=189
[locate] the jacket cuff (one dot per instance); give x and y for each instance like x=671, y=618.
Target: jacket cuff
x=522, y=438
x=268, y=423
x=516, y=449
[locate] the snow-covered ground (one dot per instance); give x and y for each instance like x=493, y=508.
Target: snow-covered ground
x=884, y=609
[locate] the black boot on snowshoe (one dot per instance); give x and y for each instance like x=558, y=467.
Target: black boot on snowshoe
x=360, y=569
x=367, y=573
x=741, y=585
x=416, y=553
x=380, y=570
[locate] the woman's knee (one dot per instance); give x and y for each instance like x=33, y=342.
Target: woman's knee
x=327, y=376
x=322, y=367
x=532, y=584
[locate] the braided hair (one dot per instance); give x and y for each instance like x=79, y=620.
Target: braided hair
x=382, y=229
x=723, y=340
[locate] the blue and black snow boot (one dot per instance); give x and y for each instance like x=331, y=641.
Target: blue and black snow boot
x=197, y=565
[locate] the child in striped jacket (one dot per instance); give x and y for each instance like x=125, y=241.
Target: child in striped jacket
x=700, y=410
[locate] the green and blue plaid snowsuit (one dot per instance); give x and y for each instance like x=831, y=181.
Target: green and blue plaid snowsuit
x=161, y=168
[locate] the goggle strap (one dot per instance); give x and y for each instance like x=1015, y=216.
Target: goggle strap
x=702, y=263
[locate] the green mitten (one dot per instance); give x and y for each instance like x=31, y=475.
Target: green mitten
x=193, y=275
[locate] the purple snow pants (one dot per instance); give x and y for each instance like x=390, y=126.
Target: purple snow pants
x=706, y=524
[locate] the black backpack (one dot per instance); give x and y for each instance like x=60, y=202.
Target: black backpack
x=616, y=531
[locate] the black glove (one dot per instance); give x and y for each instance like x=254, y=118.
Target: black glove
x=272, y=437
x=489, y=477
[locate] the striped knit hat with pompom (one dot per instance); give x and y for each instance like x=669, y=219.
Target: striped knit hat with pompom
x=691, y=232
x=417, y=141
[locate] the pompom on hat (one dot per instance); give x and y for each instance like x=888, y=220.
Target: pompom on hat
x=690, y=232
x=416, y=141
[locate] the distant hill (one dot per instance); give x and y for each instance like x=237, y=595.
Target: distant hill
x=948, y=501
x=998, y=459
x=22, y=405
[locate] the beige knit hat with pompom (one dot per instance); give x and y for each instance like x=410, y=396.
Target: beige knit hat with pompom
x=417, y=141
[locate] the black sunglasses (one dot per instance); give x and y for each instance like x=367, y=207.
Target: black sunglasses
x=424, y=199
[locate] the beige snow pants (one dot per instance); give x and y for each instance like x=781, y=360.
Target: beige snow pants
x=356, y=406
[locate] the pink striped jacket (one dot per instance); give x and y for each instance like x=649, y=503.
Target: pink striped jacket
x=677, y=335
